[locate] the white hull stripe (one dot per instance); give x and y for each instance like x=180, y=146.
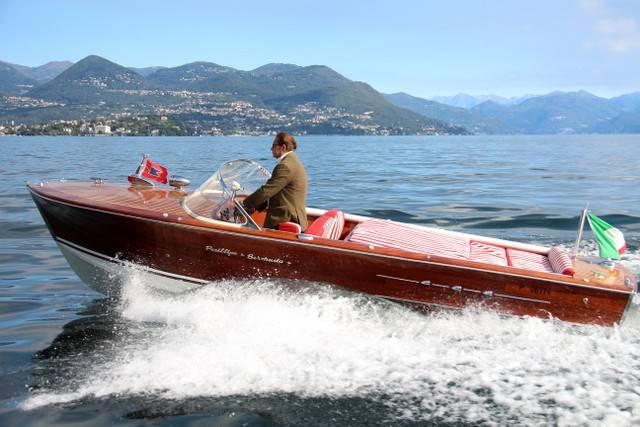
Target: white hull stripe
x=124, y=263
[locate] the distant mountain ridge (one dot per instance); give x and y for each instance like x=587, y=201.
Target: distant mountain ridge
x=42, y=73
x=466, y=101
x=628, y=102
x=554, y=113
x=474, y=122
x=313, y=98
x=12, y=81
x=557, y=112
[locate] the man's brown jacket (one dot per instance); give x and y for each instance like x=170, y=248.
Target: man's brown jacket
x=285, y=194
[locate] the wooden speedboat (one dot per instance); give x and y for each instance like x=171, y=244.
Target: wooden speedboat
x=187, y=239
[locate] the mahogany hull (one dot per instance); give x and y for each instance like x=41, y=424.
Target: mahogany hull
x=181, y=248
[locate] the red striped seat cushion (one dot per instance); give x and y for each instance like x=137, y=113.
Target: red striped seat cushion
x=411, y=238
x=561, y=261
x=528, y=260
x=490, y=254
x=291, y=227
x=329, y=225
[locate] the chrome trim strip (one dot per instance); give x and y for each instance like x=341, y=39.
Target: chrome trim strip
x=541, y=301
x=398, y=278
x=458, y=288
x=438, y=285
x=215, y=230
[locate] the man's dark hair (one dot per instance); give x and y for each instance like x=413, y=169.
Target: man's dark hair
x=286, y=139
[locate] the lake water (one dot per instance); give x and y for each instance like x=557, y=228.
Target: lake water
x=254, y=353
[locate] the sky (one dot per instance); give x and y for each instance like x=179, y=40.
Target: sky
x=424, y=48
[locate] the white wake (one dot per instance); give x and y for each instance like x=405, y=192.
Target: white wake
x=260, y=338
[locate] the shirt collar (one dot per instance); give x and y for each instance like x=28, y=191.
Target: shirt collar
x=279, y=159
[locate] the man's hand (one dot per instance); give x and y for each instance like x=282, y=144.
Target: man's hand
x=249, y=210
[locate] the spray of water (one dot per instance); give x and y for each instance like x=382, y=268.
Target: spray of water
x=264, y=337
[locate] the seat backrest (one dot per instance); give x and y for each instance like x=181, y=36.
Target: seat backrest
x=329, y=225
x=291, y=227
x=529, y=260
x=561, y=261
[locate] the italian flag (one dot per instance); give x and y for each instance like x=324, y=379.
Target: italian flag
x=610, y=240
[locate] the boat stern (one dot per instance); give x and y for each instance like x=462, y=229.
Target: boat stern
x=631, y=315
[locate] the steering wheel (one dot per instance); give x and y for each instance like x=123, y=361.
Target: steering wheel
x=229, y=212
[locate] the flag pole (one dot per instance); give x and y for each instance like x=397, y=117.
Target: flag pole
x=145, y=156
x=576, y=247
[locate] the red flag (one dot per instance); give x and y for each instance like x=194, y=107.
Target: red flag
x=154, y=171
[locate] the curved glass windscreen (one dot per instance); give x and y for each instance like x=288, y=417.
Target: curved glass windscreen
x=214, y=200
x=245, y=175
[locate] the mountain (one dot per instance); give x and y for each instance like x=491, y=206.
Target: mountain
x=42, y=73
x=298, y=81
x=472, y=121
x=627, y=122
x=13, y=82
x=48, y=71
x=628, y=102
x=463, y=100
x=146, y=71
x=286, y=87
x=491, y=109
x=264, y=83
x=557, y=112
x=554, y=113
x=195, y=76
x=274, y=68
x=91, y=80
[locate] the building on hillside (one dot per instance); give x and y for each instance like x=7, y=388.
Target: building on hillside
x=103, y=129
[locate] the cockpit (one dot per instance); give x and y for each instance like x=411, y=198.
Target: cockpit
x=219, y=201
x=220, y=197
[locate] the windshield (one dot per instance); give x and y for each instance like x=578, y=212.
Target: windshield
x=215, y=200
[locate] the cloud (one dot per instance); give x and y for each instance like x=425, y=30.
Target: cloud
x=622, y=45
x=590, y=5
x=612, y=31
x=617, y=26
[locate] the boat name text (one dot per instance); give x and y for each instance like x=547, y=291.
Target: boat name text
x=249, y=256
x=223, y=251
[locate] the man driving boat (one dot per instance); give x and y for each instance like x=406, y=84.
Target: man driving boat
x=284, y=195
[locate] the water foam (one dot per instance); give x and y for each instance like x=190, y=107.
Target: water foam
x=263, y=337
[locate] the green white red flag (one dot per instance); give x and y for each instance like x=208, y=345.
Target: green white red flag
x=611, y=243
